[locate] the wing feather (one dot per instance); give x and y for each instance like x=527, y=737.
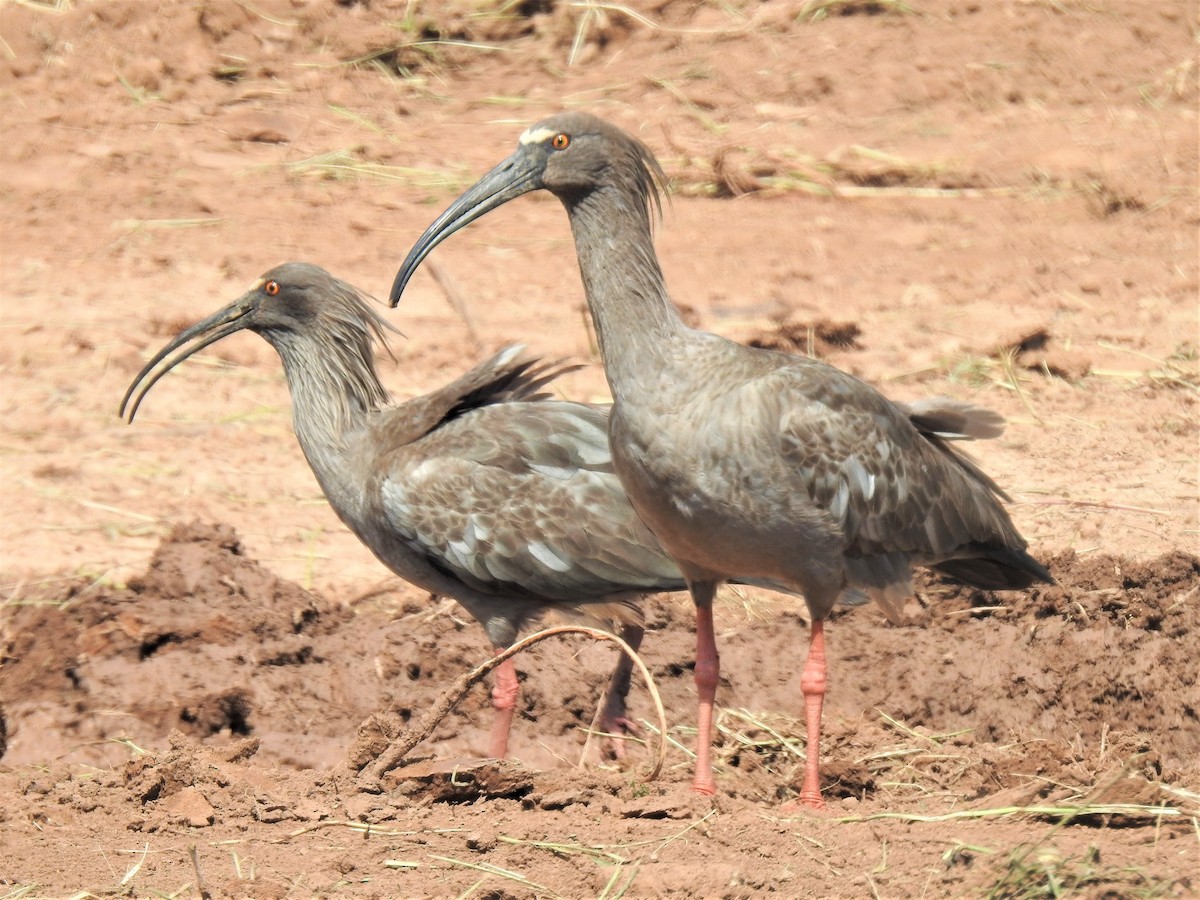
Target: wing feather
x=892, y=485
x=520, y=499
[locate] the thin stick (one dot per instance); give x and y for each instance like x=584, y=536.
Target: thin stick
x=453, y=295
x=395, y=752
x=1098, y=504
x=593, y=730
x=1066, y=811
x=366, y=828
x=201, y=890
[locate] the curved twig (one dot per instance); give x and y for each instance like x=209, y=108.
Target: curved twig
x=396, y=751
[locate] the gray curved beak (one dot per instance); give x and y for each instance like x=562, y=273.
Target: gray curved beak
x=517, y=175
x=219, y=325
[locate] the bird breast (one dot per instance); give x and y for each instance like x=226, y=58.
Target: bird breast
x=716, y=498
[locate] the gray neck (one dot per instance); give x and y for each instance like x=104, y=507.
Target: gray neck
x=635, y=319
x=335, y=392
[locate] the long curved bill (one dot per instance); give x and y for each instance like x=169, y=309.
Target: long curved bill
x=517, y=175
x=219, y=325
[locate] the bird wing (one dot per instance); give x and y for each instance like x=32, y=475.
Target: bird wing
x=896, y=490
x=889, y=486
x=509, y=375
x=520, y=499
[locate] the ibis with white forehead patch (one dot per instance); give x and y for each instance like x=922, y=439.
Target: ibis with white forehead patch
x=746, y=463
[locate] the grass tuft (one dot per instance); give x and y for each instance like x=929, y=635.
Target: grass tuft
x=1038, y=870
x=347, y=164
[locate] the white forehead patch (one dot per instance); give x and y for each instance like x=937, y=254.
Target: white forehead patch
x=536, y=135
x=257, y=284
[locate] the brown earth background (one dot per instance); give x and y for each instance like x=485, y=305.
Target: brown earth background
x=990, y=199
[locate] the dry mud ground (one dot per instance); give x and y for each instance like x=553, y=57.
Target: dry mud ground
x=993, y=200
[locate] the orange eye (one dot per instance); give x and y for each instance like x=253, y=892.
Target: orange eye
x=560, y=141
x=271, y=288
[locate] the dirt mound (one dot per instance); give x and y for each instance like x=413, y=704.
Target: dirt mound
x=209, y=642
x=213, y=695
x=1094, y=669
x=201, y=643
x=212, y=644
x=1103, y=654
x=817, y=339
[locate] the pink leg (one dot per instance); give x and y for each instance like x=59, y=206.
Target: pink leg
x=812, y=685
x=504, y=701
x=708, y=672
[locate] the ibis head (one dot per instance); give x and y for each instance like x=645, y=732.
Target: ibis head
x=289, y=300
x=571, y=155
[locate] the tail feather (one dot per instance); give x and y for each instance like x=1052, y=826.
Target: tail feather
x=953, y=420
x=996, y=569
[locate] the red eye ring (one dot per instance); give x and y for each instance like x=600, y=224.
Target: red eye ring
x=560, y=141
x=271, y=288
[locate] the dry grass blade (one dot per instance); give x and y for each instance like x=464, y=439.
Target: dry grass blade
x=348, y=164
x=1132, y=810
x=392, y=50
x=597, y=853
x=162, y=224
x=51, y=6
x=367, y=829
x=1096, y=504
x=1177, y=370
x=490, y=869
x=1008, y=361
x=136, y=868
x=670, y=738
x=892, y=722
x=594, y=13
x=396, y=751
x=679, y=834
x=614, y=890
x=1189, y=801
x=200, y=888
x=753, y=726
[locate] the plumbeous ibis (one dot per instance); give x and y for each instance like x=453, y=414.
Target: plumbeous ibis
x=745, y=463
